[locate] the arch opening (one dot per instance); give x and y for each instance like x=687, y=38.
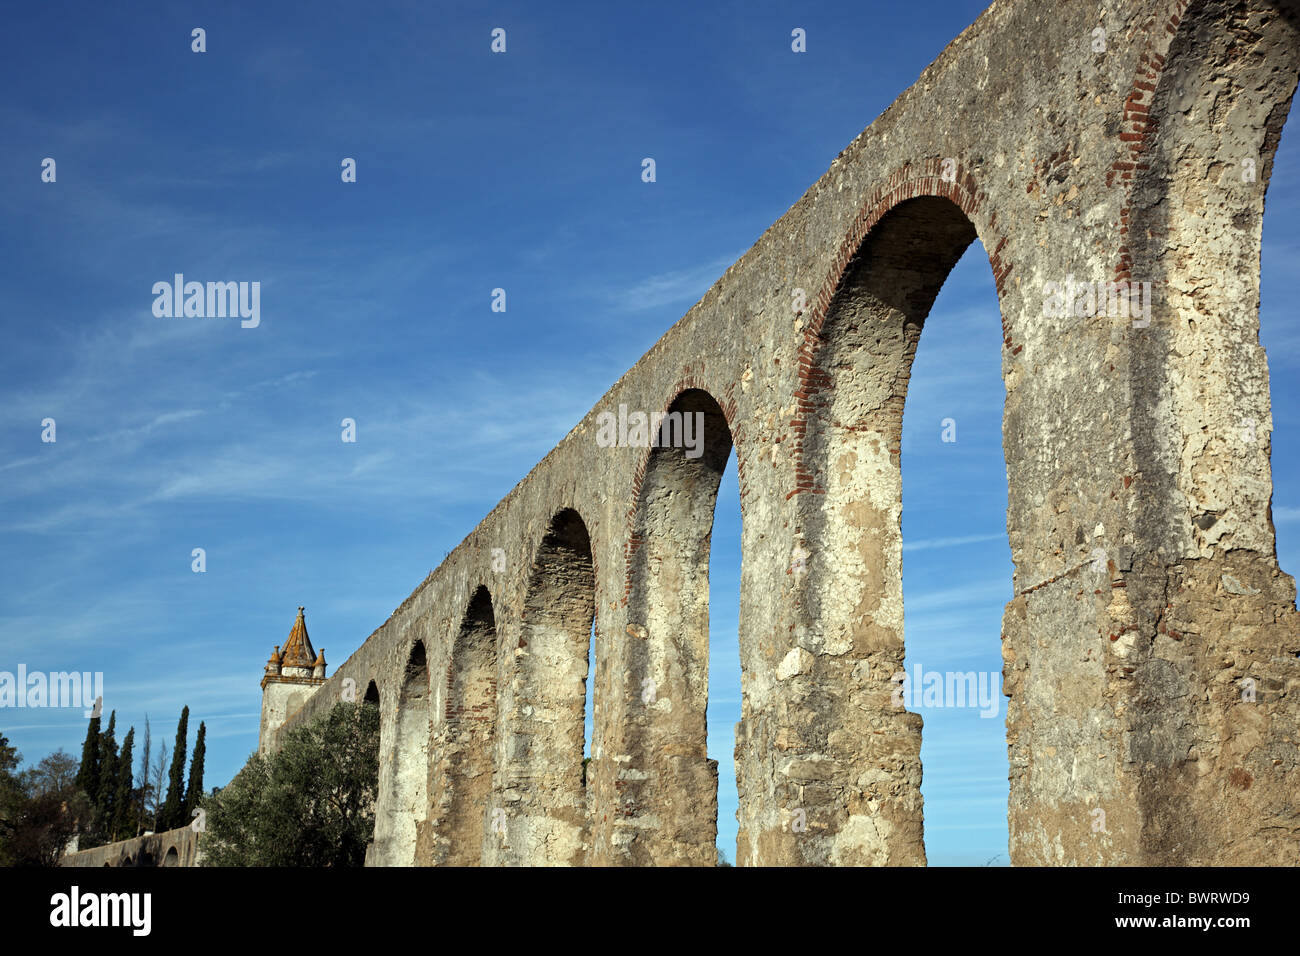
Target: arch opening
x=1279, y=331
x=468, y=737
x=957, y=570
x=371, y=699
x=544, y=768
x=411, y=757
x=850, y=650
x=1204, y=440
x=723, y=715
x=668, y=609
x=1195, y=230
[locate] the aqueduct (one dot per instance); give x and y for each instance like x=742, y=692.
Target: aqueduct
x=1150, y=651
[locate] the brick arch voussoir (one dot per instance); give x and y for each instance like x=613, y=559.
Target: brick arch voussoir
x=1139, y=127
x=909, y=181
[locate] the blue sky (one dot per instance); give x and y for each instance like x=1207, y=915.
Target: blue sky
x=475, y=171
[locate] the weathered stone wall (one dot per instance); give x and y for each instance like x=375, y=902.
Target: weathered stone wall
x=280, y=699
x=1147, y=589
x=179, y=847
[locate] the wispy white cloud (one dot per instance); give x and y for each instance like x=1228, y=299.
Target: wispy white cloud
x=931, y=544
x=970, y=595
x=1286, y=514
x=678, y=287
x=148, y=428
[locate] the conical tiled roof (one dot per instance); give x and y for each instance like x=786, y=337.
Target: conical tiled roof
x=298, y=650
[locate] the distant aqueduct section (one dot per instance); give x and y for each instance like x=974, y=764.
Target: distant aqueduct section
x=1150, y=650
x=179, y=847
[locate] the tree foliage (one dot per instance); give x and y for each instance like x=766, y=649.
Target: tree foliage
x=146, y=755
x=310, y=804
x=88, y=776
x=194, y=789
x=96, y=799
x=123, y=823
x=56, y=773
x=172, y=813
x=106, y=802
x=12, y=798
x=40, y=808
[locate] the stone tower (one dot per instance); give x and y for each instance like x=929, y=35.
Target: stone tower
x=292, y=676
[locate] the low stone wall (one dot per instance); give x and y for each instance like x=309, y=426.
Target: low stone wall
x=179, y=847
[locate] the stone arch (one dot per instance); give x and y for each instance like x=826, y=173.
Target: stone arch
x=463, y=784
x=171, y=858
x=672, y=795
x=1203, y=119
x=372, y=694
x=540, y=783
x=931, y=180
x=846, y=562
x=411, y=757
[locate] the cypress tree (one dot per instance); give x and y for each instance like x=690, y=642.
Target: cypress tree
x=122, y=825
x=194, y=792
x=106, y=803
x=172, y=809
x=88, y=775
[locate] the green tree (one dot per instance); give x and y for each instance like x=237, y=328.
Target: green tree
x=40, y=809
x=106, y=804
x=172, y=813
x=122, y=826
x=47, y=823
x=194, y=790
x=88, y=775
x=310, y=804
x=12, y=800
